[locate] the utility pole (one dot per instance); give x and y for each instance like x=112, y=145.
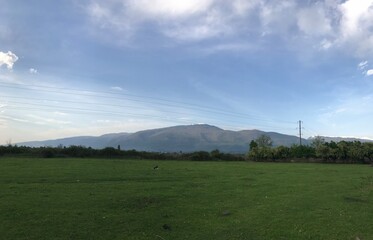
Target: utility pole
x=300, y=132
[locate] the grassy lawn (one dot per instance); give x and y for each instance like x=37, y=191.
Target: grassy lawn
x=120, y=199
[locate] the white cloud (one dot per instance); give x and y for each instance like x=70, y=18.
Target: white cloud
x=15, y=119
x=362, y=65
x=116, y=88
x=8, y=59
x=356, y=26
x=242, y=7
x=182, y=20
x=111, y=18
x=97, y=11
x=326, y=44
x=191, y=20
x=43, y=120
x=326, y=23
x=33, y=71
x=210, y=25
x=355, y=16
x=60, y=113
x=169, y=8
x=370, y=72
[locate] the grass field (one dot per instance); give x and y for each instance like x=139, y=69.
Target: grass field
x=120, y=199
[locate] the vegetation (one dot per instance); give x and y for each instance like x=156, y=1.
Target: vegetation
x=318, y=151
x=115, y=199
x=260, y=150
x=110, y=152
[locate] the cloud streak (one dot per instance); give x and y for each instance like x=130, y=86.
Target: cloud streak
x=362, y=65
x=116, y=88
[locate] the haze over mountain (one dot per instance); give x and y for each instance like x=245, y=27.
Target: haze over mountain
x=188, y=138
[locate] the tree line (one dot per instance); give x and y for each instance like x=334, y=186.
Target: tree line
x=110, y=152
x=260, y=149
x=319, y=150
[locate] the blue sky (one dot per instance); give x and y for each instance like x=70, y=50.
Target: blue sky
x=92, y=67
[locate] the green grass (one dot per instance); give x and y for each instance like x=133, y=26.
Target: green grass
x=119, y=199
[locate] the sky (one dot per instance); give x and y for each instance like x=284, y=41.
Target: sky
x=90, y=67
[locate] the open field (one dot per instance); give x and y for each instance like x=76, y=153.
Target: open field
x=120, y=199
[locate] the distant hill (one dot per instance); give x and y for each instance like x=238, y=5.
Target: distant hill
x=188, y=138
x=88, y=141
x=338, y=139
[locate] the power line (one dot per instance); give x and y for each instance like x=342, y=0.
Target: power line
x=311, y=131
x=89, y=110
x=201, y=107
x=84, y=111
x=32, y=106
x=167, y=104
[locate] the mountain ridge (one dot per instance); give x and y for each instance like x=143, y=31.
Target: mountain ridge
x=182, y=138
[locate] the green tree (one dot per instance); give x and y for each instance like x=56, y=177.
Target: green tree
x=317, y=142
x=302, y=151
x=215, y=154
x=253, y=145
x=264, y=141
x=342, y=153
x=260, y=149
x=281, y=153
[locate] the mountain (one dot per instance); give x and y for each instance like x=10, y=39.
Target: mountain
x=87, y=141
x=188, y=138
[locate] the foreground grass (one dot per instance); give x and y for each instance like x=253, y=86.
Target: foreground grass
x=119, y=199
